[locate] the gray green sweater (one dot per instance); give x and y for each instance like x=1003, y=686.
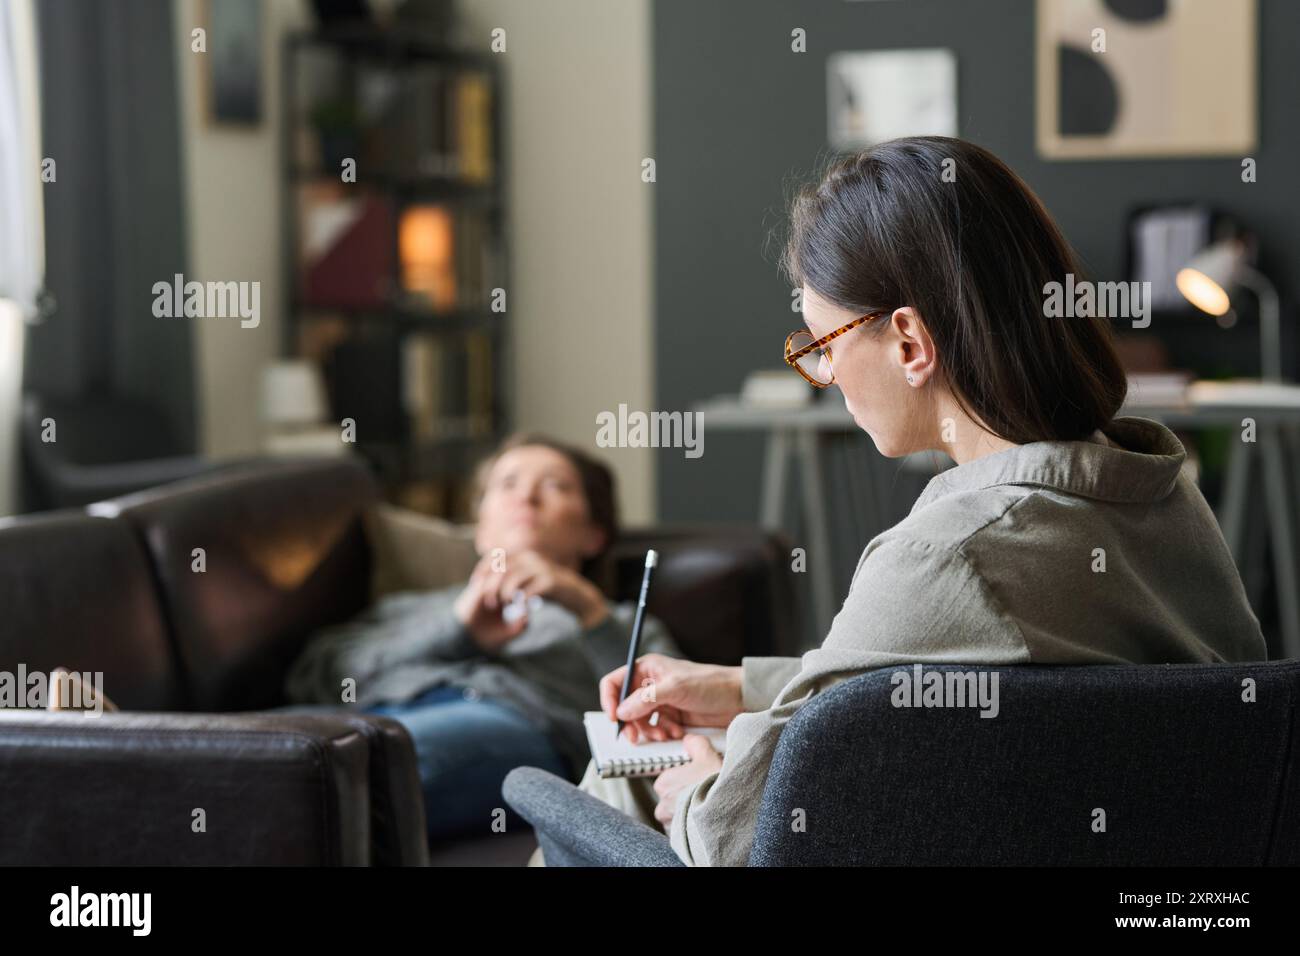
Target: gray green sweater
x=409, y=642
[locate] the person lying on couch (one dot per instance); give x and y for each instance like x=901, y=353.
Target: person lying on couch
x=496, y=672
x=1064, y=535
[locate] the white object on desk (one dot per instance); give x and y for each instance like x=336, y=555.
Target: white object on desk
x=292, y=393
x=1246, y=393
x=775, y=388
x=1160, y=388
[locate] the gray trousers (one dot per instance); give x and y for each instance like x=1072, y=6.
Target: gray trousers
x=635, y=796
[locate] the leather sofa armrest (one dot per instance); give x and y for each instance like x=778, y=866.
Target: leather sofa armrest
x=126, y=788
x=398, y=834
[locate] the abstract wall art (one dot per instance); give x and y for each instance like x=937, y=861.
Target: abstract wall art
x=1146, y=78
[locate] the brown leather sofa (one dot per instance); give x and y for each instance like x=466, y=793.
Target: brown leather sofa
x=197, y=662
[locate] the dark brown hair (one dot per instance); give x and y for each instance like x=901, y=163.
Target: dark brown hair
x=969, y=246
x=598, y=486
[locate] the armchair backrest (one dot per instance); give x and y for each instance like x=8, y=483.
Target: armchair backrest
x=1150, y=765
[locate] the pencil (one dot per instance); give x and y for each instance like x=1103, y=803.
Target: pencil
x=651, y=559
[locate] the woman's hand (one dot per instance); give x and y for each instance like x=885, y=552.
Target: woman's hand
x=683, y=693
x=484, y=622
x=705, y=761
x=537, y=575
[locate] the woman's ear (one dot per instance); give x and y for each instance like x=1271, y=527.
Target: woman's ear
x=916, y=352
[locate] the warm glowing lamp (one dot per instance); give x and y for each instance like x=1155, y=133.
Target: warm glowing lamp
x=425, y=243
x=1209, y=278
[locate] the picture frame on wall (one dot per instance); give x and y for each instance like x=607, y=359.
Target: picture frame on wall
x=877, y=95
x=1142, y=79
x=232, y=89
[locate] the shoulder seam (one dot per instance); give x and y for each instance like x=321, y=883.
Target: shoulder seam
x=983, y=583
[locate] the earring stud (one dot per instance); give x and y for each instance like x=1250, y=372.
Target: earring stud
x=910, y=379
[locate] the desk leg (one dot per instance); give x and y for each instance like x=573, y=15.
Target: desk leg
x=772, y=505
x=1236, y=487
x=1282, y=533
x=821, y=563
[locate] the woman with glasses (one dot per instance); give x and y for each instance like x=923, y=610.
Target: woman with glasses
x=1063, y=535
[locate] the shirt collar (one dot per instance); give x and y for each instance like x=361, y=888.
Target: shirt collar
x=1129, y=460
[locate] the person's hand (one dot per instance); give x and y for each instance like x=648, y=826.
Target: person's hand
x=683, y=694
x=537, y=575
x=484, y=622
x=705, y=761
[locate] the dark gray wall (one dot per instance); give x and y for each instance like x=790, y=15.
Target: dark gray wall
x=737, y=114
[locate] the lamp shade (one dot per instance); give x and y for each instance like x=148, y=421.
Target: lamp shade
x=426, y=242
x=1209, y=276
x=292, y=393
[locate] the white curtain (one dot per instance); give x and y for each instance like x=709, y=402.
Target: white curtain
x=22, y=243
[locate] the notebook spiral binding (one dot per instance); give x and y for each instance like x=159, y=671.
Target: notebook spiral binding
x=625, y=767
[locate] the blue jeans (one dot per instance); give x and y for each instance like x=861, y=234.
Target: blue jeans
x=465, y=746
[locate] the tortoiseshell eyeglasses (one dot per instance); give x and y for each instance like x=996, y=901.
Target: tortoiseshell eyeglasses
x=812, y=359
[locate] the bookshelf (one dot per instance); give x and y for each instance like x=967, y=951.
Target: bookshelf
x=395, y=240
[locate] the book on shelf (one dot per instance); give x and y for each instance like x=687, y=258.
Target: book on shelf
x=441, y=125
x=346, y=255
x=421, y=375
x=478, y=346
x=447, y=385
x=471, y=227
x=473, y=125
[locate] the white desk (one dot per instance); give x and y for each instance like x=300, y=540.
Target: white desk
x=1275, y=408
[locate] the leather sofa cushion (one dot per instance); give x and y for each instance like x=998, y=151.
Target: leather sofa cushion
x=78, y=592
x=285, y=553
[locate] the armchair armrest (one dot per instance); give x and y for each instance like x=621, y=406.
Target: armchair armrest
x=576, y=829
x=127, y=788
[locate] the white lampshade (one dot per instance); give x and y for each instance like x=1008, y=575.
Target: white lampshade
x=292, y=393
x=1209, y=276
x=1209, y=279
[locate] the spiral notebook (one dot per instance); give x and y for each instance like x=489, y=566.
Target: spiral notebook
x=616, y=757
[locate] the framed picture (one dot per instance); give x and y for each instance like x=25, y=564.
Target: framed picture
x=233, y=90
x=1136, y=78
x=879, y=95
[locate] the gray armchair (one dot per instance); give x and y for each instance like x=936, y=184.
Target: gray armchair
x=1186, y=771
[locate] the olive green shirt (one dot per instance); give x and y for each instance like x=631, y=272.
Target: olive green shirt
x=1083, y=552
